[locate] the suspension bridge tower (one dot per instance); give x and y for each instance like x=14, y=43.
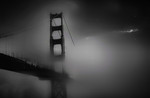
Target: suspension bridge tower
x=58, y=85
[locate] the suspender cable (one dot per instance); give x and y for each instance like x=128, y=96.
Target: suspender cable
x=69, y=31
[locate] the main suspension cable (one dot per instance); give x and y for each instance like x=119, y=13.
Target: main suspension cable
x=68, y=30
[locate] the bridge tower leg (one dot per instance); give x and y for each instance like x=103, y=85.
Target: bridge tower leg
x=58, y=89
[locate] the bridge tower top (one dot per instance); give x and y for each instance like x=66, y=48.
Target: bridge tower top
x=56, y=35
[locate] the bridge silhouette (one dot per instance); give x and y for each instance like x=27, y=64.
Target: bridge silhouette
x=24, y=66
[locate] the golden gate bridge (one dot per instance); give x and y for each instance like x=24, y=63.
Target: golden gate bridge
x=21, y=65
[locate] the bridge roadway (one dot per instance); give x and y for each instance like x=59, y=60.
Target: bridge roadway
x=16, y=65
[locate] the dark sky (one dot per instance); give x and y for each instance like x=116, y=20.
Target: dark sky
x=110, y=13
x=104, y=14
